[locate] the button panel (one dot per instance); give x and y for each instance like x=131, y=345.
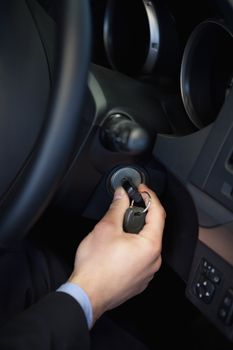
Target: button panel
x=208, y=279
x=210, y=288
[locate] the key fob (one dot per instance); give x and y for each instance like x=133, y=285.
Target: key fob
x=134, y=219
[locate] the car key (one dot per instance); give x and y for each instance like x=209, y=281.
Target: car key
x=133, y=192
x=134, y=219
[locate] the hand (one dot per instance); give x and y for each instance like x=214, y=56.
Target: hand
x=113, y=266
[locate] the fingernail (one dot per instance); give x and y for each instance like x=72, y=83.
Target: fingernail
x=119, y=193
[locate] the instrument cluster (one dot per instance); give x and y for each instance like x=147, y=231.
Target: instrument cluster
x=175, y=45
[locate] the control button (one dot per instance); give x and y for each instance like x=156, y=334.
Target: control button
x=222, y=314
x=227, y=301
x=216, y=279
x=225, y=312
x=204, y=266
x=204, y=289
x=199, y=291
x=209, y=291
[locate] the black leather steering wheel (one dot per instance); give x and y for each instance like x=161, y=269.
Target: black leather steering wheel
x=47, y=162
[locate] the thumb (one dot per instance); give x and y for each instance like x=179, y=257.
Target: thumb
x=117, y=209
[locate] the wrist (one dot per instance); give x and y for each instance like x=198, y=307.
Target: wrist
x=79, y=294
x=87, y=286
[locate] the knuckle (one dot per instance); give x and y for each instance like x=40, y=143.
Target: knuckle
x=153, y=249
x=162, y=212
x=157, y=251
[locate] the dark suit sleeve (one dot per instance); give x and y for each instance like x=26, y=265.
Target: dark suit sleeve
x=56, y=322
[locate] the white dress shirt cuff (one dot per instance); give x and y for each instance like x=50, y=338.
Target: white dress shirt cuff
x=81, y=297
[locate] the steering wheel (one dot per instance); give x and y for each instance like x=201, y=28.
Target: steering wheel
x=38, y=171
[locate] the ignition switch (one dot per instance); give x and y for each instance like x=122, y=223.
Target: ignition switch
x=136, y=177
x=119, y=133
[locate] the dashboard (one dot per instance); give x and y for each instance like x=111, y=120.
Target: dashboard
x=181, y=53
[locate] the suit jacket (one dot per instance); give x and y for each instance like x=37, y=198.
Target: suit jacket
x=56, y=322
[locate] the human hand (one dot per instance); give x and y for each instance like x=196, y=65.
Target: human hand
x=112, y=266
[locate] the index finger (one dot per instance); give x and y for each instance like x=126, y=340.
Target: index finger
x=155, y=218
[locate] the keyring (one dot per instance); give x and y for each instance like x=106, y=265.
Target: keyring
x=148, y=203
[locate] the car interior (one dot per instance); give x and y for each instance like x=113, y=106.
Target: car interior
x=93, y=92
